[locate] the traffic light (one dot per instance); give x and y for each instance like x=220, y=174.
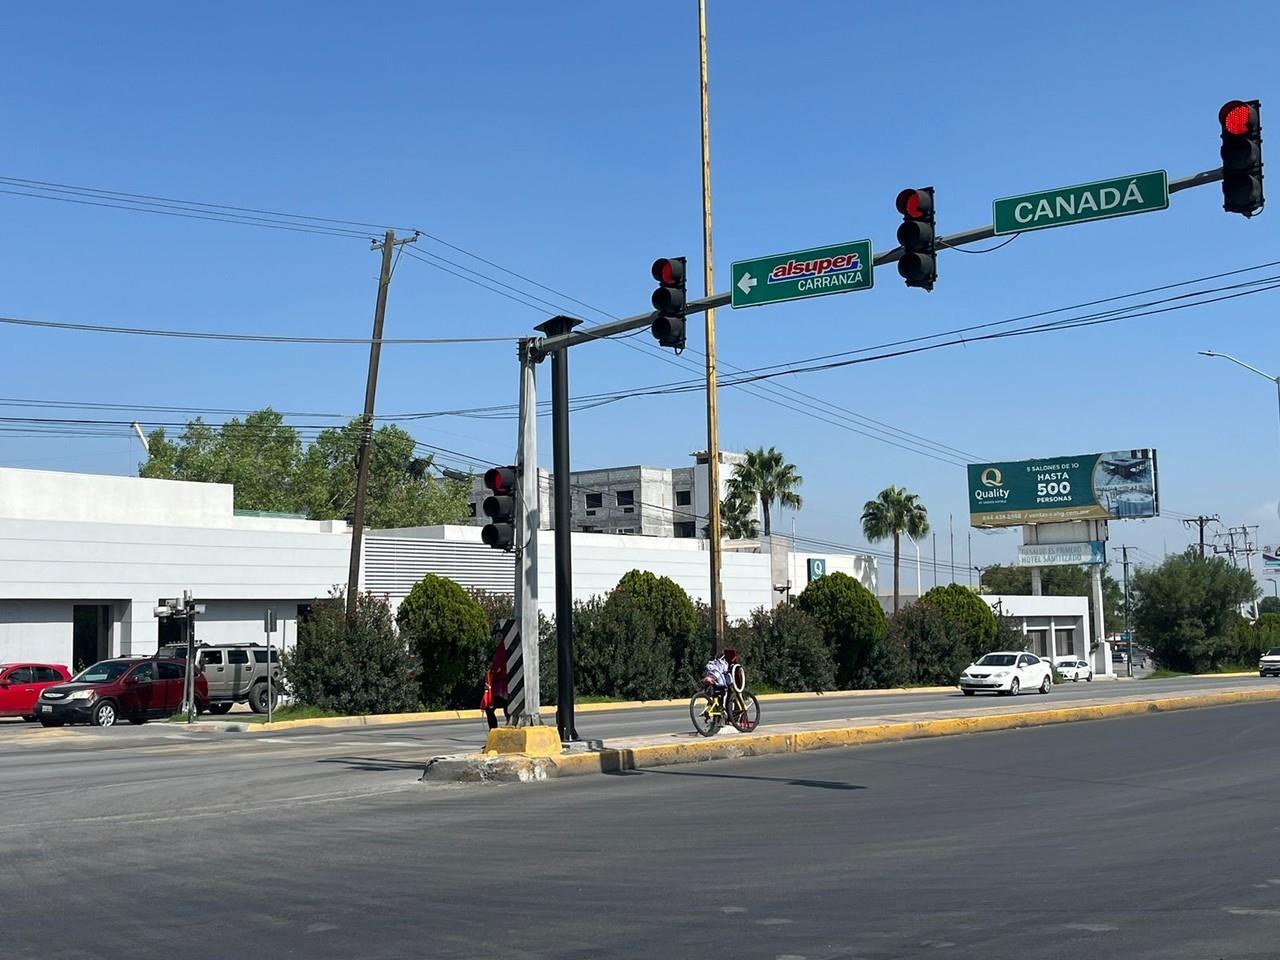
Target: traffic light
x=669, y=300
x=1241, y=122
x=919, y=262
x=500, y=508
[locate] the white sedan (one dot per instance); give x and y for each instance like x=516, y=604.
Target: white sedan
x=1074, y=669
x=1007, y=672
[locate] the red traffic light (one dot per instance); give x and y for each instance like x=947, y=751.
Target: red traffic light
x=669, y=271
x=1238, y=118
x=501, y=479
x=916, y=204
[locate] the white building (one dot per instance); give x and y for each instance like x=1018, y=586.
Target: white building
x=1054, y=627
x=84, y=560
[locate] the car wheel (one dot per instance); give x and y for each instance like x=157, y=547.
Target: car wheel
x=50, y=723
x=1046, y=684
x=1014, y=687
x=1089, y=678
x=219, y=708
x=104, y=714
x=967, y=693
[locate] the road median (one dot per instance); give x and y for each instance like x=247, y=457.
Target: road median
x=637, y=753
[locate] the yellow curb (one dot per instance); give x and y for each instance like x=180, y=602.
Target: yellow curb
x=639, y=757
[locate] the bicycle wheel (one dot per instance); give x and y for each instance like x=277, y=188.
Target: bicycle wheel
x=745, y=714
x=704, y=711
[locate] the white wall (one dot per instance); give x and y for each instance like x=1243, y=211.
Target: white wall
x=38, y=630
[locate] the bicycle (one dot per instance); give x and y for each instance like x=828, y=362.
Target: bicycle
x=713, y=705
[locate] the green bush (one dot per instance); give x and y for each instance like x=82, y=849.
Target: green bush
x=969, y=612
x=616, y=650
x=853, y=626
x=451, y=633
x=675, y=623
x=783, y=649
x=353, y=668
x=936, y=646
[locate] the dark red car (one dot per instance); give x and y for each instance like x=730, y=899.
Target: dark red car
x=136, y=690
x=21, y=683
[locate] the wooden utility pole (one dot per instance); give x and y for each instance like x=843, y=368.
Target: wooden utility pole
x=713, y=425
x=366, y=421
x=1201, y=522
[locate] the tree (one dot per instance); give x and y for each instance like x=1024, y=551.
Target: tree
x=358, y=666
x=1269, y=605
x=737, y=518
x=969, y=612
x=853, y=626
x=1187, y=609
x=1007, y=580
x=618, y=653
x=767, y=477
x=783, y=649
x=451, y=635
x=264, y=457
x=675, y=624
x=937, y=647
x=892, y=514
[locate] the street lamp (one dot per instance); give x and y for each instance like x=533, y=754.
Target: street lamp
x=917, y=546
x=1253, y=369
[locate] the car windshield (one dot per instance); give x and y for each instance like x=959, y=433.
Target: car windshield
x=997, y=660
x=103, y=672
x=1273, y=652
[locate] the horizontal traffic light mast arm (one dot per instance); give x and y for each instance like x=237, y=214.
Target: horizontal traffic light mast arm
x=544, y=346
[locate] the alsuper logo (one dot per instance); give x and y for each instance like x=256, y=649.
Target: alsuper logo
x=801, y=269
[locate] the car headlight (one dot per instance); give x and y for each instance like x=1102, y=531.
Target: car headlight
x=999, y=674
x=81, y=695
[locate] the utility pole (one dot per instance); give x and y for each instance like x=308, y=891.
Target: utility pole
x=1128, y=633
x=951, y=526
x=713, y=426
x=388, y=245
x=935, y=558
x=1201, y=522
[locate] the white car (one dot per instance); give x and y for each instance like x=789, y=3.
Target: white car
x=1074, y=669
x=1269, y=663
x=1007, y=672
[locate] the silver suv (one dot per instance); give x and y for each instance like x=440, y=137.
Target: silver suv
x=237, y=673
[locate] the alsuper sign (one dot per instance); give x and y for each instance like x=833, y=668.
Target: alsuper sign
x=802, y=273
x=1101, y=200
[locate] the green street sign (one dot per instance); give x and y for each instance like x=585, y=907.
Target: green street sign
x=1140, y=193
x=803, y=273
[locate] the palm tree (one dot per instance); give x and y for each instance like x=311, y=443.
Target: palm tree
x=767, y=477
x=737, y=518
x=892, y=514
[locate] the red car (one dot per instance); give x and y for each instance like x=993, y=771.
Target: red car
x=136, y=690
x=21, y=683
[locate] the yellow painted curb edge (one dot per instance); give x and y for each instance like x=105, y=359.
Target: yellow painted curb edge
x=635, y=758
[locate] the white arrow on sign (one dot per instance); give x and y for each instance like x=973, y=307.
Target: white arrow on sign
x=747, y=283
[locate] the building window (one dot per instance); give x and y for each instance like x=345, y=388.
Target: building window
x=684, y=498
x=590, y=529
x=626, y=531
x=471, y=509
x=685, y=530
x=626, y=498
x=595, y=501
x=1065, y=641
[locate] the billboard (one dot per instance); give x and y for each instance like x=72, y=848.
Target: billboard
x=1271, y=558
x=1098, y=486
x=1062, y=554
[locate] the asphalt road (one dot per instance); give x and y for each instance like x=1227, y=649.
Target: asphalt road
x=1145, y=837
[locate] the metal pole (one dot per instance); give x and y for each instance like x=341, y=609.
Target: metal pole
x=708, y=277
x=969, y=538
x=564, y=529
x=935, y=558
x=188, y=618
x=951, y=526
x=366, y=424
x=528, y=519
x=1128, y=633
x=1099, y=624
x=267, y=625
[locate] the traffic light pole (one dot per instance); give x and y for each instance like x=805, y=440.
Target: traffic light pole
x=554, y=343
x=528, y=519
x=559, y=327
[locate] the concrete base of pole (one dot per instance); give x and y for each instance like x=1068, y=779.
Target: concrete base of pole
x=539, y=741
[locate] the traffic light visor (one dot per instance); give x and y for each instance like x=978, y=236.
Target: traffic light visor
x=1238, y=118
x=916, y=204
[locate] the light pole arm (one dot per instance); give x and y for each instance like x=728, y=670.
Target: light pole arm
x=1237, y=360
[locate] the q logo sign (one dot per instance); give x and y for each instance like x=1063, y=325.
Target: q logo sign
x=992, y=477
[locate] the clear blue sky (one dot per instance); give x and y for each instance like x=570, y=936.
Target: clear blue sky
x=561, y=141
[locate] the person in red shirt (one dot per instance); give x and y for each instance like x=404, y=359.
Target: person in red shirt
x=495, y=685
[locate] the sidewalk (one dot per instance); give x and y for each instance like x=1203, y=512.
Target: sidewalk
x=633, y=753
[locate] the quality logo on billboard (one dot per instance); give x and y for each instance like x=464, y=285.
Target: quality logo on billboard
x=993, y=480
